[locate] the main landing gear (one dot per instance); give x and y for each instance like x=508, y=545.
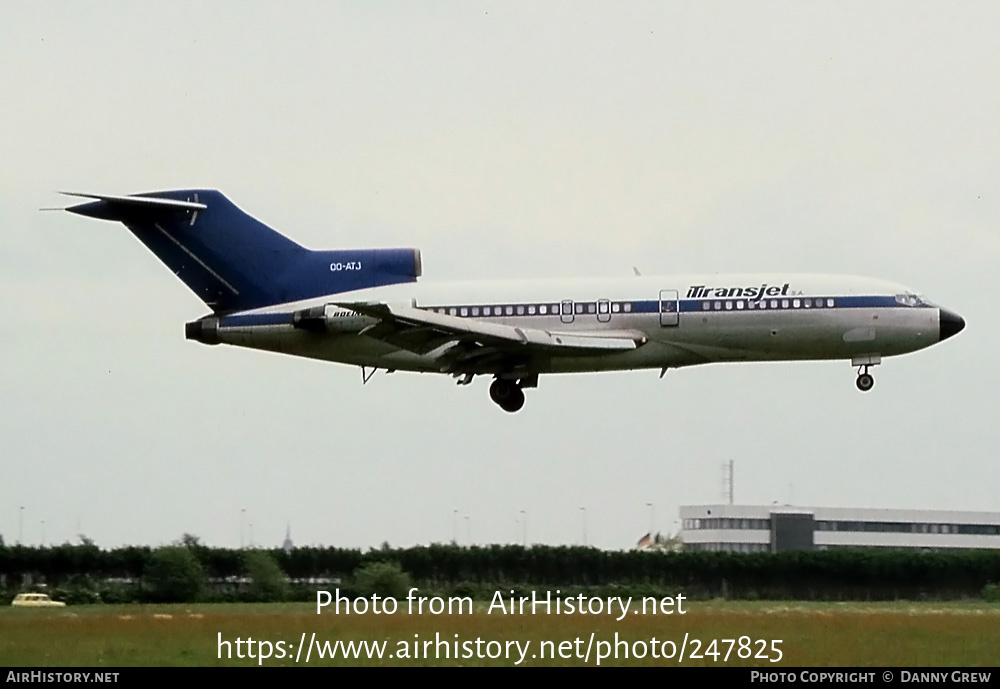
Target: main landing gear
x=507, y=394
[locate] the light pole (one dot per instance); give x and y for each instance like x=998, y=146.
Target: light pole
x=468, y=531
x=43, y=533
x=20, y=526
x=584, y=510
x=650, y=506
x=243, y=518
x=524, y=527
x=454, y=527
x=251, y=534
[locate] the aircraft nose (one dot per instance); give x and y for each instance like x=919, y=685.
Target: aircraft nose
x=951, y=324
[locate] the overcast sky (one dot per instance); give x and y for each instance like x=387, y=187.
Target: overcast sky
x=506, y=140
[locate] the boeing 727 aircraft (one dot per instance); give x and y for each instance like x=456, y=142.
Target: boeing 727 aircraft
x=366, y=307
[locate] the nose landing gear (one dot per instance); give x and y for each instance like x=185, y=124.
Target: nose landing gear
x=507, y=394
x=865, y=380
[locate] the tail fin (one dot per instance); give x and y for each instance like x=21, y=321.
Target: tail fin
x=234, y=262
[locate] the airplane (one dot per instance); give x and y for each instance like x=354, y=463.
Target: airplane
x=366, y=307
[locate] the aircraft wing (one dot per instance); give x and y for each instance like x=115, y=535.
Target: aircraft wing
x=461, y=344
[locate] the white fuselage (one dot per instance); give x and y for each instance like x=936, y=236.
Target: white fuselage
x=685, y=319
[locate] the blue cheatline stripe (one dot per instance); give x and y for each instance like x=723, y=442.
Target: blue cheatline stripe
x=256, y=319
x=641, y=306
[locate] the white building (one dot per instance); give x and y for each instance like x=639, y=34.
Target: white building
x=770, y=528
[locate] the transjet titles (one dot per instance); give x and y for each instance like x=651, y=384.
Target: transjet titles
x=765, y=290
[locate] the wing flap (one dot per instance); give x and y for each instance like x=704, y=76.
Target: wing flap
x=430, y=325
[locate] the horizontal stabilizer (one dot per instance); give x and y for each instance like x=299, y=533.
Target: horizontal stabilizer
x=140, y=201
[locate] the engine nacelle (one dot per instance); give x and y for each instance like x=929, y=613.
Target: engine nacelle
x=330, y=318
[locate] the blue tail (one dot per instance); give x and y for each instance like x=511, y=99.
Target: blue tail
x=234, y=262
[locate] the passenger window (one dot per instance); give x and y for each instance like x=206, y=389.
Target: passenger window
x=739, y=305
x=486, y=310
x=465, y=311
x=729, y=306
x=784, y=303
x=453, y=311
x=543, y=309
x=796, y=303
x=829, y=302
x=509, y=310
x=774, y=303
x=762, y=304
x=718, y=306
x=616, y=307
x=475, y=310
x=531, y=310
x=591, y=308
x=627, y=307
x=520, y=310
x=807, y=303
x=706, y=306
x=602, y=307
x=579, y=308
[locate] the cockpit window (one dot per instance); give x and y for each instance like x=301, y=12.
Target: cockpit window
x=909, y=300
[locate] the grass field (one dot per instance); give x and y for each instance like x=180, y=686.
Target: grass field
x=810, y=634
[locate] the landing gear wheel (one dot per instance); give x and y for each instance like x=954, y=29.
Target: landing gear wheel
x=500, y=390
x=514, y=402
x=507, y=394
x=865, y=382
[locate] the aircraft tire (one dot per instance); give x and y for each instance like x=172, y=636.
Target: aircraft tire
x=501, y=390
x=514, y=402
x=865, y=382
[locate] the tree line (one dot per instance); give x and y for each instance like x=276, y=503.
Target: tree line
x=189, y=570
